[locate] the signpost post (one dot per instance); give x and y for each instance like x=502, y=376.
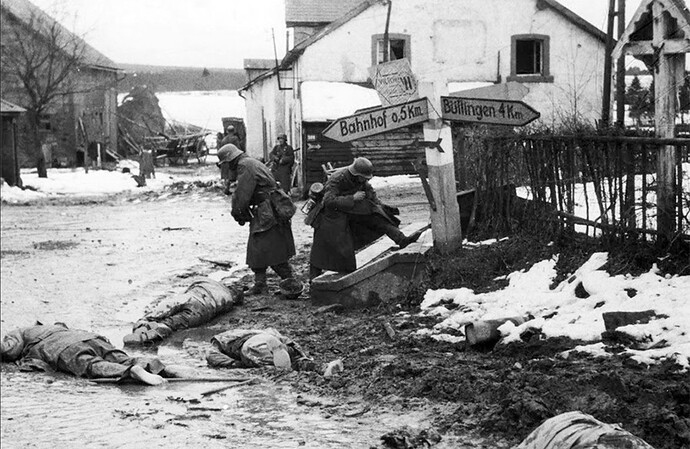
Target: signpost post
x=488, y=112
x=396, y=82
x=378, y=121
x=445, y=217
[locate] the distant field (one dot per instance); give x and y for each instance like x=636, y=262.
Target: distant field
x=180, y=79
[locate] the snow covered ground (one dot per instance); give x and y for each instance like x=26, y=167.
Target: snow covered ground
x=75, y=182
x=561, y=312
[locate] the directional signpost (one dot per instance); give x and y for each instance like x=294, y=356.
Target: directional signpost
x=378, y=121
x=491, y=112
x=394, y=82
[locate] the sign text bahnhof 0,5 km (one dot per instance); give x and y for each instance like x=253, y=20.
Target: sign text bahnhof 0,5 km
x=480, y=110
x=378, y=121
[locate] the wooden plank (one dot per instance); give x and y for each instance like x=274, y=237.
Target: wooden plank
x=639, y=48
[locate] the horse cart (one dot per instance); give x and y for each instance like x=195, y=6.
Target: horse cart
x=179, y=149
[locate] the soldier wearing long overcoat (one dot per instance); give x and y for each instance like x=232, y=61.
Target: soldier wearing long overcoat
x=280, y=160
x=270, y=242
x=351, y=217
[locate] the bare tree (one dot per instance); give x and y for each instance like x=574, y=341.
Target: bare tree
x=40, y=59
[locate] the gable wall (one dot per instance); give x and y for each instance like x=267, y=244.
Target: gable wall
x=461, y=42
x=265, y=113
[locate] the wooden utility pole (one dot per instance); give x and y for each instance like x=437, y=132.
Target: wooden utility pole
x=628, y=206
x=386, y=44
x=608, y=63
x=620, y=70
x=445, y=219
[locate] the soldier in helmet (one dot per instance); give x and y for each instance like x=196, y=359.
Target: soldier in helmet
x=232, y=137
x=351, y=217
x=280, y=161
x=270, y=243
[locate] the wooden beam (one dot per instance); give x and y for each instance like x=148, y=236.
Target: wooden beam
x=666, y=81
x=670, y=46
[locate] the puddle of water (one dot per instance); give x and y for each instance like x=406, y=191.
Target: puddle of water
x=46, y=410
x=40, y=410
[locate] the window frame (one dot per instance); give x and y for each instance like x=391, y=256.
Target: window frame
x=545, y=76
x=376, y=38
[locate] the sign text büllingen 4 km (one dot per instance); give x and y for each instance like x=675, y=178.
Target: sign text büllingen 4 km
x=488, y=111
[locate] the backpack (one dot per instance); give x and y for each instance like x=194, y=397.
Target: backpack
x=283, y=206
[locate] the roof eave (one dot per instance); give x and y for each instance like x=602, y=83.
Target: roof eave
x=263, y=76
x=575, y=19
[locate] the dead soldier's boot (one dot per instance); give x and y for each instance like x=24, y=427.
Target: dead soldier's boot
x=260, y=286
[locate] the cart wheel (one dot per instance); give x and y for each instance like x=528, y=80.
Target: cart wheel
x=201, y=152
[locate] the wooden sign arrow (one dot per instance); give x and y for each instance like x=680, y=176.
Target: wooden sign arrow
x=493, y=112
x=416, y=144
x=378, y=121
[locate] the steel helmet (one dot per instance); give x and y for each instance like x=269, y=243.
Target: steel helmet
x=230, y=129
x=228, y=153
x=282, y=136
x=362, y=167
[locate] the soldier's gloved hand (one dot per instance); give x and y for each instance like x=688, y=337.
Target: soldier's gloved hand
x=359, y=196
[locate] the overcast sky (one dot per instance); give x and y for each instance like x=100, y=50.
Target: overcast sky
x=206, y=33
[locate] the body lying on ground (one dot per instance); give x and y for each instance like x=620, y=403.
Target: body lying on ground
x=204, y=300
x=577, y=430
x=78, y=352
x=252, y=348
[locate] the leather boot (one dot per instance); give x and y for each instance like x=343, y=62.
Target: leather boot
x=260, y=286
x=407, y=240
x=284, y=270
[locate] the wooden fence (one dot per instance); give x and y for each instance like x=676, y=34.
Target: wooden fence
x=597, y=184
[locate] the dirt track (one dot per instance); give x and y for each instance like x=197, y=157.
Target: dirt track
x=99, y=265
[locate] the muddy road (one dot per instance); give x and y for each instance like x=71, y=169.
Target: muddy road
x=98, y=265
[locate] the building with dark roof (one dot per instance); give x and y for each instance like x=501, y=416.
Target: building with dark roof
x=80, y=108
